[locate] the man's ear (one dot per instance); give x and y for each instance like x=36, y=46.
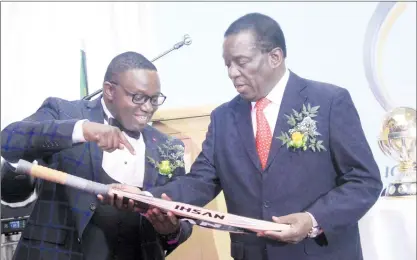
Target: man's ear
x=108, y=90
x=276, y=57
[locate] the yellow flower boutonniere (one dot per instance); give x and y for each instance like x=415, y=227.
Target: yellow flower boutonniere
x=165, y=167
x=303, y=134
x=172, y=157
x=298, y=139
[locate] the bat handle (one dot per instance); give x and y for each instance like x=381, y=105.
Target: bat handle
x=63, y=178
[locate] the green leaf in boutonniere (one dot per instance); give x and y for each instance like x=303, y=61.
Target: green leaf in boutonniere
x=319, y=146
x=291, y=120
x=286, y=140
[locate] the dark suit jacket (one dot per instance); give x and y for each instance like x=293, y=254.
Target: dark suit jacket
x=57, y=222
x=337, y=186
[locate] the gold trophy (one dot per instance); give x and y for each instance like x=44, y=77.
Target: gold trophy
x=397, y=140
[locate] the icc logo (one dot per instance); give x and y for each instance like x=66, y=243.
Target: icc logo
x=376, y=38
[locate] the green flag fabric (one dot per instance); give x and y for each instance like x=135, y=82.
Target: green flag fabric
x=83, y=76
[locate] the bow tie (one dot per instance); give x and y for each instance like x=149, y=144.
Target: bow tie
x=112, y=121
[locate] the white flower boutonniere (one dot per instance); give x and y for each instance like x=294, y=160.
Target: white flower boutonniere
x=171, y=158
x=303, y=134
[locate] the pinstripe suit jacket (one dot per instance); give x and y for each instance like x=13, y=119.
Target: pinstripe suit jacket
x=56, y=224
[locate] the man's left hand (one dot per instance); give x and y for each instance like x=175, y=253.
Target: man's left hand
x=163, y=223
x=300, y=223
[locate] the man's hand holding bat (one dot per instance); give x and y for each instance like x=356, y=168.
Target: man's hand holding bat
x=168, y=223
x=163, y=223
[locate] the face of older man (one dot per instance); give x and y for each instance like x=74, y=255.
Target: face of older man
x=251, y=71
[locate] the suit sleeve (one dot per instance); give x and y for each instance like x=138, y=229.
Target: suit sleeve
x=38, y=136
x=358, y=174
x=201, y=185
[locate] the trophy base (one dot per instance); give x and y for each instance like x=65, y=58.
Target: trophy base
x=400, y=189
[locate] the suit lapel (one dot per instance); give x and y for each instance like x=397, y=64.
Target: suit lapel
x=243, y=121
x=293, y=98
x=95, y=114
x=151, y=144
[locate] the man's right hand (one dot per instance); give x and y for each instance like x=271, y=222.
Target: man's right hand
x=117, y=201
x=108, y=138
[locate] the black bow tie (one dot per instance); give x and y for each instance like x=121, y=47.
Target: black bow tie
x=112, y=121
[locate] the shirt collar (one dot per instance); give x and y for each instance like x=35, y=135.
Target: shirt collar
x=277, y=92
x=105, y=109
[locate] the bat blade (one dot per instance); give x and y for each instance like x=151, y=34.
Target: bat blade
x=185, y=212
x=204, y=217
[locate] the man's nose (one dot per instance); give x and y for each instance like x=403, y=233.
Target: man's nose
x=147, y=106
x=233, y=72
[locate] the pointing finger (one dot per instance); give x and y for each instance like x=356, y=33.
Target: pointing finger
x=126, y=143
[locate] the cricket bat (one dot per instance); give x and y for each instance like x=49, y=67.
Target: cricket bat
x=185, y=212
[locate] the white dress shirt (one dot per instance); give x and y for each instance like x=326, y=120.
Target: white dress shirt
x=271, y=111
x=120, y=165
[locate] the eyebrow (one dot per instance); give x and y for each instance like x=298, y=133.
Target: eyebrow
x=140, y=92
x=133, y=93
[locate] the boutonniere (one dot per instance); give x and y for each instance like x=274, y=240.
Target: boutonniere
x=303, y=134
x=171, y=157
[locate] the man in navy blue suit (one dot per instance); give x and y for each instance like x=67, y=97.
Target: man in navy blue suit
x=286, y=149
x=95, y=140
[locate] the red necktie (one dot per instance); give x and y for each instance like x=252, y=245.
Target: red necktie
x=263, y=132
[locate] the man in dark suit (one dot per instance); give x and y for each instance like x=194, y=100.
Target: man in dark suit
x=70, y=136
x=286, y=149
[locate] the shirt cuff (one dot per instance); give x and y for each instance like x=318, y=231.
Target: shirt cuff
x=315, y=230
x=312, y=219
x=77, y=133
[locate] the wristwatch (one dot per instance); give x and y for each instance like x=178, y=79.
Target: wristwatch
x=173, y=237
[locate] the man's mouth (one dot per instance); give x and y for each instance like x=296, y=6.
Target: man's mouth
x=241, y=87
x=142, y=118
